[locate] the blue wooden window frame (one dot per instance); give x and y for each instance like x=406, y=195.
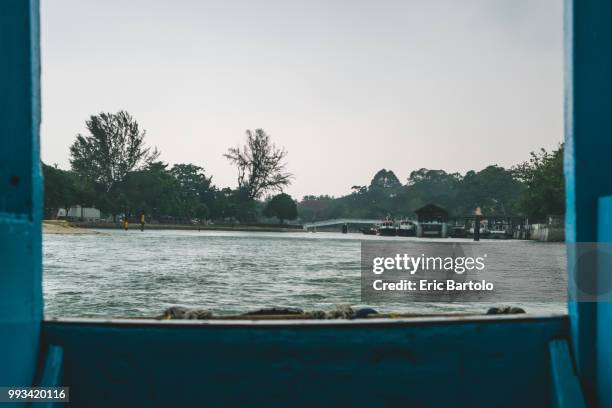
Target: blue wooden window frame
x=588, y=117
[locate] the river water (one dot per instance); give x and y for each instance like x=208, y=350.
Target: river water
x=134, y=274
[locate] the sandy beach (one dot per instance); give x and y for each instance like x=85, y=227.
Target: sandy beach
x=64, y=227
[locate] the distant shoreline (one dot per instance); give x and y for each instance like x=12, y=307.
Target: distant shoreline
x=78, y=227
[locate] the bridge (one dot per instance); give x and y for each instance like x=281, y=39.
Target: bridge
x=342, y=221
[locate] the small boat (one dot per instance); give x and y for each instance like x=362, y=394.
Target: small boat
x=499, y=231
x=387, y=229
x=406, y=229
x=369, y=231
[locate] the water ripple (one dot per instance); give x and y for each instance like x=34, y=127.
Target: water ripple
x=119, y=274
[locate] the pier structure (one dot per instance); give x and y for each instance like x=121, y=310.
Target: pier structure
x=432, y=221
x=491, y=226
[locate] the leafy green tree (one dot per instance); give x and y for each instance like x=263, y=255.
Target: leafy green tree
x=362, y=202
x=193, y=190
x=545, y=190
x=312, y=208
x=281, y=206
x=152, y=190
x=260, y=165
x=192, y=179
x=225, y=204
x=114, y=147
x=246, y=208
x=384, y=180
x=383, y=188
x=494, y=189
x=432, y=186
x=63, y=189
x=60, y=190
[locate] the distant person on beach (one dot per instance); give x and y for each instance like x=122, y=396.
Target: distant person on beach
x=125, y=223
x=142, y=221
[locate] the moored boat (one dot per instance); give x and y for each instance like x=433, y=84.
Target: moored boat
x=406, y=229
x=499, y=231
x=369, y=231
x=387, y=229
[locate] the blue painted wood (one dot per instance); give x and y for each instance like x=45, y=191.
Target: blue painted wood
x=52, y=374
x=588, y=118
x=434, y=364
x=566, y=391
x=52, y=370
x=489, y=363
x=21, y=307
x=604, y=309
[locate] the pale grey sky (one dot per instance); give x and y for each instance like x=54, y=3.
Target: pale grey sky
x=347, y=87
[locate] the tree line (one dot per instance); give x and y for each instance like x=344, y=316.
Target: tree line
x=533, y=189
x=113, y=169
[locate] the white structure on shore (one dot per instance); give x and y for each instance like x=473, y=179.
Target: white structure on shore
x=79, y=213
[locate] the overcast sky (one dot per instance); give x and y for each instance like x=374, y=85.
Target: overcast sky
x=347, y=87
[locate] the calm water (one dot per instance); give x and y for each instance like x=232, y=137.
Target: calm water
x=128, y=274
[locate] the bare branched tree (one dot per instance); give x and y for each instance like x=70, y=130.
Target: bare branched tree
x=260, y=165
x=114, y=147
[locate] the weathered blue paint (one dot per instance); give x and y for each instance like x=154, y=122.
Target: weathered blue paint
x=604, y=310
x=437, y=362
x=566, y=390
x=21, y=306
x=588, y=117
x=500, y=362
x=52, y=374
x=53, y=369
